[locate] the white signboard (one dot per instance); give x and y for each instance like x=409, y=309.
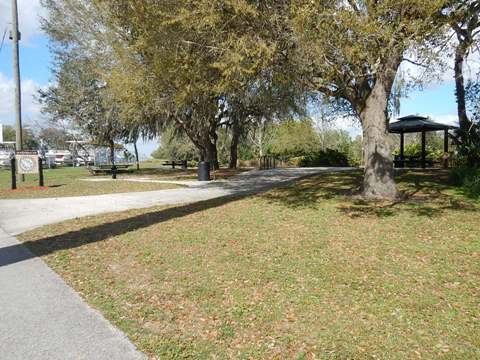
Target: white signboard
x=27, y=163
x=1, y=133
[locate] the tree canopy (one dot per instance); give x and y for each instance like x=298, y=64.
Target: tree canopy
x=200, y=67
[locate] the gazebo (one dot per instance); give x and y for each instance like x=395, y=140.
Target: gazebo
x=417, y=124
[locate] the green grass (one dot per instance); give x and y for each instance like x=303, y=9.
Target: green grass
x=301, y=272
x=66, y=181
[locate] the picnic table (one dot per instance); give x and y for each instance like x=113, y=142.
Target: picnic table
x=173, y=163
x=107, y=168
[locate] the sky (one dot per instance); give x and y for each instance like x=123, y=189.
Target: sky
x=436, y=100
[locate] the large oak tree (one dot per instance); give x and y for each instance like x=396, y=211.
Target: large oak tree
x=199, y=64
x=352, y=50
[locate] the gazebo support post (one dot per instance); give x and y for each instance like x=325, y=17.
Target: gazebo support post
x=424, y=152
x=445, y=149
x=402, y=149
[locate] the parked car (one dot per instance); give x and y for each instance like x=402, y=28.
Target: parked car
x=62, y=157
x=4, y=159
x=6, y=148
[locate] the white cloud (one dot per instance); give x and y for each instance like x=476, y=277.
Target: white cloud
x=354, y=128
x=29, y=14
x=30, y=106
x=447, y=119
x=434, y=76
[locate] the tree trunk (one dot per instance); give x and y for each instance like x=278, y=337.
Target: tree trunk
x=212, y=156
x=460, y=54
x=136, y=155
x=212, y=152
x=234, y=146
x=378, y=180
x=205, y=141
x=111, y=144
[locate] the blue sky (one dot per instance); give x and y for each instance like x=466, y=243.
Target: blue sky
x=436, y=100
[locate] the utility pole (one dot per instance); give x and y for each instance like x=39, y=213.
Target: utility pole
x=16, y=74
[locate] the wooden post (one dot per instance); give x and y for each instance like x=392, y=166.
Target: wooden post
x=445, y=149
x=402, y=149
x=445, y=141
x=402, y=145
x=424, y=150
x=40, y=172
x=13, y=167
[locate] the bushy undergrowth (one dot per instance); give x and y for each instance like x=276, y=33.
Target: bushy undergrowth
x=415, y=150
x=328, y=157
x=468, y=179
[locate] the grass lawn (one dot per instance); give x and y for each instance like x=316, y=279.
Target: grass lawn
x=66, y=182
x=300, y=272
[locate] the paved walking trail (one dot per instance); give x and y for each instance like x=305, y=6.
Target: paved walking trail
x=41, y=317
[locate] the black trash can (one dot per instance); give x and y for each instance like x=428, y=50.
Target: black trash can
x=203, y=171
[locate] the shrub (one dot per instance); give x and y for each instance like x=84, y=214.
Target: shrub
x=294, y=161
x=468, y=179
x=471, y=186
x=415, y=150
x=328, y=157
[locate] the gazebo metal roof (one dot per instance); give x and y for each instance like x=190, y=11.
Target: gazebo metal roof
x=416, y=123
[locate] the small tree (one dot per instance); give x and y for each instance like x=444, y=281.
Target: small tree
x=464, y=19
x=294, y=138
x=54, y=137
x=30, y=141
x=82, y=100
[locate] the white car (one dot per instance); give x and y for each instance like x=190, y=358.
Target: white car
x=4, y=159
x=62, y=157
x=6, y=148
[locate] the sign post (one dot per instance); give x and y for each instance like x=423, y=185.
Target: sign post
x=40, y=172
x=27, y=162
x=13, y=166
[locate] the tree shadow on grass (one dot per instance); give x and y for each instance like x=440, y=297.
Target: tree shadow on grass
x=423, y=195
x=18, y=252
x=430, y=207
x=73, y=239
x=309, y=192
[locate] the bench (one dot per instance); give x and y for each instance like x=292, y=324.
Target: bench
x=173, y=163
x=107, y=169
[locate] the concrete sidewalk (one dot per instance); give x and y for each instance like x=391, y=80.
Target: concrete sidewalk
x=17, y=216
x=41, y=316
